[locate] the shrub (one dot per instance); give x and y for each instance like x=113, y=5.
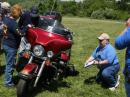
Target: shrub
x=98, y=14
x=109, y=13
x=122, y=15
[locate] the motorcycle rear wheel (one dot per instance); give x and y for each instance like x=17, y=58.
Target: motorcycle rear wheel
x=22, y=88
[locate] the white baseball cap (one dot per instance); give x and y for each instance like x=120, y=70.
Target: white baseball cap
x=103, y=36
x=5, y=5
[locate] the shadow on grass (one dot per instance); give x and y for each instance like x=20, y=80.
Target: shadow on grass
x=90, y=80
x=2, y=68
x=52, y=87
x=104, y=85
x=15, y=79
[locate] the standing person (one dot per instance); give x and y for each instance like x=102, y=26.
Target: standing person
x=122, y=42
x=104, y=56
x=11, y=42
x=29, y=17
x=1, y=36
x=34, y=15
x=24, y=19
x=4, y=11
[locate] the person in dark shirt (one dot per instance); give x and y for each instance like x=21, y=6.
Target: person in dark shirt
x=29, y=17
x=25, y=19
x=34, y=15
x=11, y=41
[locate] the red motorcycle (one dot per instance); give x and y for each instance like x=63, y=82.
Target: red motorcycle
x=44, y=56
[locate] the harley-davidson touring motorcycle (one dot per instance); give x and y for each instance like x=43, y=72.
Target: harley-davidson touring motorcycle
x=44, y=56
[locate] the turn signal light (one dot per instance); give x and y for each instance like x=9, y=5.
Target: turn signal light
x=26, y=55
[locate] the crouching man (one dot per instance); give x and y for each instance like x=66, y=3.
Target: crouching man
x=104, y=56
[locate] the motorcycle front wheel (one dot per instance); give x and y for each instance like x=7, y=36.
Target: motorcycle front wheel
x=22, y=88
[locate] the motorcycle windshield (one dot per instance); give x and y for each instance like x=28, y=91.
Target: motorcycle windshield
x=53, y=26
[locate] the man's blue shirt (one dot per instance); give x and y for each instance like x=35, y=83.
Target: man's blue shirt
x=106, y=53
x=123, y=41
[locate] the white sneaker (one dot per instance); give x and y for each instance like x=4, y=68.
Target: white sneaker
x=112, y=88
x=118, y=81
x=117, y=84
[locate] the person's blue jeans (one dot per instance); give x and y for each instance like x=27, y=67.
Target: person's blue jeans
x=127, y=88
x=108, y=75
x=10, y=55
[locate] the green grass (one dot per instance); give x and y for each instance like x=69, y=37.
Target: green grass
x=86, y=32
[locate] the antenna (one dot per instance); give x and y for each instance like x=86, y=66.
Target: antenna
x=53, y=6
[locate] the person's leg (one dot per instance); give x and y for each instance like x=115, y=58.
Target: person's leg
x=127, y=88
x=109, y=75
x=10, y=54
x=99, y=77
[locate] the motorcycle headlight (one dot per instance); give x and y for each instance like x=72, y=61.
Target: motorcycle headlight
x=50, y=54
x=38, y=50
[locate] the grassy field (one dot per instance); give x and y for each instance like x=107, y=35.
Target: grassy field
x=86, y=32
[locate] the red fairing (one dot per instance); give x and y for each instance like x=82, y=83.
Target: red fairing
x=50, y=41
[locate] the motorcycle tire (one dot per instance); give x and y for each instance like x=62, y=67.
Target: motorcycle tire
x=22, y=88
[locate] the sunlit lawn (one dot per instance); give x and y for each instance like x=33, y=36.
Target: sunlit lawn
x=86, y=32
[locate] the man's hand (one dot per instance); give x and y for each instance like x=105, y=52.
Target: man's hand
x=128, y=23
x=96, y=62
x=19, y=33
x=5, y=29
x=88, y=64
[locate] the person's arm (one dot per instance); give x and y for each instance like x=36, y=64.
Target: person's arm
x=91, y=58
x=17, y=30
x=103, y=62
x=25, y=19
x=96, y=62
x=123, y=40
x=89, y=62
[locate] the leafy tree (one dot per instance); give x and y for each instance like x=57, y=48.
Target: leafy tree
x=47, y=5
x=121, y=4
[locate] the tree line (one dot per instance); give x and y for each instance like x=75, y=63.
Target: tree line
x=98, y=9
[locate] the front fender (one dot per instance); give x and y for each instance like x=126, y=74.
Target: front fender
x=28, y=69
